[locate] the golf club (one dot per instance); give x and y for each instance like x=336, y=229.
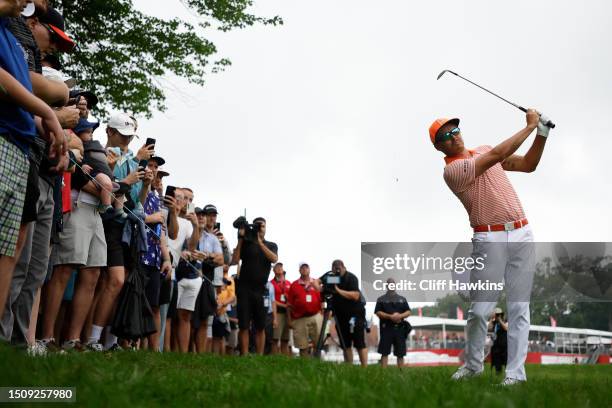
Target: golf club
x=550, y=124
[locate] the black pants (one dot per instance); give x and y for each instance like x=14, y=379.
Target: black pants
x=499, y=357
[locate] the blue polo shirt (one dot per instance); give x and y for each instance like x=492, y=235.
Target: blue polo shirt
x=126, y=164
x=15, y=121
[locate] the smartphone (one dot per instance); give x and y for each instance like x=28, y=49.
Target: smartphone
x=150, y=141
x=143, y=163
x=170, y=191
x=190, y=208
x=218, y=226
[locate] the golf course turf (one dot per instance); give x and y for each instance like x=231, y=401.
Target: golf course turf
x=144, y=379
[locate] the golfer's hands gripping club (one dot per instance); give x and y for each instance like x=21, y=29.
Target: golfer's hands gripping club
x=533, y=118
x=537, y=120
x=544, y=125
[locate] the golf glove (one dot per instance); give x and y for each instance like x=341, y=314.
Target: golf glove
x=542, y=128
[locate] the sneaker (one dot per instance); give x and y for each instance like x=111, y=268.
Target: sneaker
x=73, y=345
x=37, y=349
x=511, y=381
x=48, y=345
x=115, y=347
x=464, y=373
x=96, y=347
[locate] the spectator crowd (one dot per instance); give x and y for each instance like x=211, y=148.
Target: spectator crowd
x=96, y=254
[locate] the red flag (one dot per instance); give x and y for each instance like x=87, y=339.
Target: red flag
x=553, y=322
x=420, y=312
x=459, y=313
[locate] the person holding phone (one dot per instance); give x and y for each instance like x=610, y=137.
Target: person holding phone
x=121, y=129
x=210, y=253
x=185, y=289
x=155, y=262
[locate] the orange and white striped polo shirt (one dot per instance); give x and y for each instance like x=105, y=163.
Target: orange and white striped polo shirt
x=489, y=198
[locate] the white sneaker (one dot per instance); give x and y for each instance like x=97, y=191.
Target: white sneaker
x=48, y=345
x=511, y=381
x=464, y=373
x=97, y=347
x=37, y=349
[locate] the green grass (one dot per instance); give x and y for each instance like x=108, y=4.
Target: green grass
x=145, y=379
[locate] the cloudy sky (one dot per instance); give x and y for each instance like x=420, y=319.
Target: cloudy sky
x=320, y=125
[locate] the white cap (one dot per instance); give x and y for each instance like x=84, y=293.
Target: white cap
x=302, y=264
x=29, y=10
x=123, y=123
x=58, y=76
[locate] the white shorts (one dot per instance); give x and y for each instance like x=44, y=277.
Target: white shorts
x=188, y=290
x=209, y=322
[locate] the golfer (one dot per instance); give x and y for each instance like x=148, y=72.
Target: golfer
x=502, y=234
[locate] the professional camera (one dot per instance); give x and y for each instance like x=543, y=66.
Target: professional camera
x=329, y=281
x=250, y=230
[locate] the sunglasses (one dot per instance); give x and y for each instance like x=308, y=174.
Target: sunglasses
x=54, y=37
x=448, y=135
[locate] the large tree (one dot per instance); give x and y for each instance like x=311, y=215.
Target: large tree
x=123, y=54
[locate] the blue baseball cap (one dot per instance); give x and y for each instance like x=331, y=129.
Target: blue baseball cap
x=84, y=124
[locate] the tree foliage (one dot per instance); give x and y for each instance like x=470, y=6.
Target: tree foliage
x=123, y=54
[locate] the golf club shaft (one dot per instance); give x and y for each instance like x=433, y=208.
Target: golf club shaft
x=492, y=93
x=550, y=124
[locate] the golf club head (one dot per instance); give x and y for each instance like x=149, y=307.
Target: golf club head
x=444, y=72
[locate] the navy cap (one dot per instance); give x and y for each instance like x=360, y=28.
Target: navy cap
x=210, y=209
x=84, y=124
x=159, y=160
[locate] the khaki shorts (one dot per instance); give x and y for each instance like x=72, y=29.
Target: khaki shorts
x=281, y=332
x=306, y=329
x=82, y=241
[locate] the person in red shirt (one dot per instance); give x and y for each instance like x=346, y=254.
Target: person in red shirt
x=305, y=310
x=281, y=292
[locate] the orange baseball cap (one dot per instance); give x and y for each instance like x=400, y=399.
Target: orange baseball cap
x=437, y=124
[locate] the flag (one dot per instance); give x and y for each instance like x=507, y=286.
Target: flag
x=459, y=313
x=553, y=322
x=420, y=312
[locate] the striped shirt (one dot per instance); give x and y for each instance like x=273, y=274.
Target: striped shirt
x=489, y=198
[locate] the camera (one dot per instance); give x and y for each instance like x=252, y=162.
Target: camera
x=329, y=281
x=251, y=231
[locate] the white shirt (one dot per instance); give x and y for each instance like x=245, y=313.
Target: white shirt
x=185, y=230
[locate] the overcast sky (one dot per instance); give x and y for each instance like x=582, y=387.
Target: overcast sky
x=320, y=125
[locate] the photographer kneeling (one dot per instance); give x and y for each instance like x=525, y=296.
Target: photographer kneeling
x=257, y=256
x=349, y=310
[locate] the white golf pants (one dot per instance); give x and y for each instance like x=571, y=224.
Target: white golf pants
x=510, y=257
